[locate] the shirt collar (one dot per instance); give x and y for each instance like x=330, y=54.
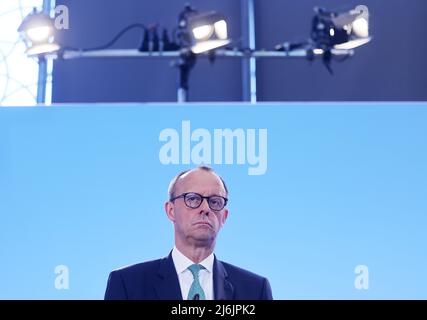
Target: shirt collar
x=181, y=262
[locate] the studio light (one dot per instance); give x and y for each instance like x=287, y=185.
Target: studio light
x=208, y=31
x=347, y=30
x=334, y=35
x=37, y=30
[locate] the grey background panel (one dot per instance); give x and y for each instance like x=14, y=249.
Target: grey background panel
x=391, y=67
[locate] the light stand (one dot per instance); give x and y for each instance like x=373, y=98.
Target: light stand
x=42, y=80
x=186, y=62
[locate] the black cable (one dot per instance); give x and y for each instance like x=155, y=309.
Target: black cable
x=290, y=46
x=113, y=41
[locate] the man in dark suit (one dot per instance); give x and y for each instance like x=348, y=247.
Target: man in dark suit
x=191, y=271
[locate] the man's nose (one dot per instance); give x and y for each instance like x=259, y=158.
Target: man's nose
x=204, y=207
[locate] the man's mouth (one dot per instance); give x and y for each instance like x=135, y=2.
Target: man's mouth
x=202, y=223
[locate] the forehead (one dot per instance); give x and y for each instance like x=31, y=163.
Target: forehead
x=200, y=181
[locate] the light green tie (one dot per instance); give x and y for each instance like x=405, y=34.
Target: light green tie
x=196, y=292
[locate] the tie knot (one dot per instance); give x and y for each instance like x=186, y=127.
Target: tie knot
x=194, y=269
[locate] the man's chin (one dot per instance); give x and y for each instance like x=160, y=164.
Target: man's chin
x=206, y=236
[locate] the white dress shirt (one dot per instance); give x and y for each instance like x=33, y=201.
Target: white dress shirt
x=185, y=276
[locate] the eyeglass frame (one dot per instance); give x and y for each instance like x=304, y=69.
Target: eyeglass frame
x=183, y=195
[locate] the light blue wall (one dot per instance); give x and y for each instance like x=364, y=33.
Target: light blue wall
x=345, y=186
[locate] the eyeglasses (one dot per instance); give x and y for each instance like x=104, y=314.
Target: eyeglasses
x=194, y=200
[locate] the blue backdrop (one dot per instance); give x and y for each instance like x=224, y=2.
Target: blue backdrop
x=345, y=185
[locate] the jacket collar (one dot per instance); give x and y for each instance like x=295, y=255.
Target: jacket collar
x=167, y=283
x=167, y=286
x=223, y=289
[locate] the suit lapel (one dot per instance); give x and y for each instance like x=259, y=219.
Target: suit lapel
x=166, y=283
x=223, y=289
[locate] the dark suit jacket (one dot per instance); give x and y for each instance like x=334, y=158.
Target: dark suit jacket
x=158, y=280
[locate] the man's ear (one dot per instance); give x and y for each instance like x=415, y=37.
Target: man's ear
x=224, y=216
x=170, y=210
